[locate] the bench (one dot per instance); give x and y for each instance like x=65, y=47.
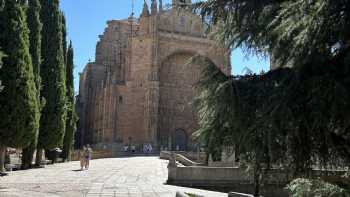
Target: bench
x=45, y=162
x=13, y=162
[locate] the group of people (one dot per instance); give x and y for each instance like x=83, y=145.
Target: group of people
x=147, y=148
x=85, y=155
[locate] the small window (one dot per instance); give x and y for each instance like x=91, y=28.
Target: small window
x=120, y=99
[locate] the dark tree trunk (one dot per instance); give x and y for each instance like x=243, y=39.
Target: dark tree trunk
x=2, y=159
x=257, y=174
x=51, y=155
x=39, y=156
x=27, y=156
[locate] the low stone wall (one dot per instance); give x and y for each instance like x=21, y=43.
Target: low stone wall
x=179, y=157
x=203, y=174
x=199, y=157
x=165, y=155
x=96, y=154
x=236, y=179
x=224, y=179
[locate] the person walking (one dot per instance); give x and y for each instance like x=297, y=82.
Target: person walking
x=81, y=157
x=87, y=156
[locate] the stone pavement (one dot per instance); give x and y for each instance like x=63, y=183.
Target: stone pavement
x=115, y=177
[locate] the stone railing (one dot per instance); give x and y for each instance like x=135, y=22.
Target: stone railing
x=178, y=158
x=236, y=194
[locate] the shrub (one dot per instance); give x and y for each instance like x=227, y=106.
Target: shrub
x=315, y=188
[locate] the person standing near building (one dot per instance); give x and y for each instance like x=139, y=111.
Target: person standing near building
x=81, y=157
x=87, y=156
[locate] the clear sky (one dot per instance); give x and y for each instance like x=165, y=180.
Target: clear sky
x=86, y=19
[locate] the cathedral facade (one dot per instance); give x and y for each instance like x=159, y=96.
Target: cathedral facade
x=141, y=87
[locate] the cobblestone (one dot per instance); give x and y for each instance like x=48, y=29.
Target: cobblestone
x=115, y=177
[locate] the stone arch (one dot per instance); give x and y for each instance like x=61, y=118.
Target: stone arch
x=177, y=79
x=193, y=53
x=180, y=138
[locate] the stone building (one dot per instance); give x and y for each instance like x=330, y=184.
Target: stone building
x=140, y=88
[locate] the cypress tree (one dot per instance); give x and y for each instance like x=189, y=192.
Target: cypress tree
x=35, y=26
x=1, y=56
x=53, y=119
x=2, y=4
x=19, y=107
x=71, y=115
x=49, y=153
x=64, y=37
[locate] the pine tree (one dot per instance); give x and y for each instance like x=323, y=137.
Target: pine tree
x=71, y=115
x=53, y=119
x=298, y=116
x=35, y=26
x=19, y=107
x=295, y=31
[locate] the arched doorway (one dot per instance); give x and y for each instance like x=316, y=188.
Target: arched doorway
x=180, y=140
x=178, y=76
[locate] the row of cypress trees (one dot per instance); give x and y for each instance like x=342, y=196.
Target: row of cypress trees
x=37, y=101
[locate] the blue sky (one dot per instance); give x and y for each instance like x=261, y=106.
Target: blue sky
x=86, y=19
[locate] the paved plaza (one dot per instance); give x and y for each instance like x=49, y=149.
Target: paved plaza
x=115, y=177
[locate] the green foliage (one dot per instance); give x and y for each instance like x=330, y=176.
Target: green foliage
x=2, y=4
x=69, y=73
x=23, y=2
x=53, y=120
x=35, y=26
x=295, y=31
x=1, y=56
x=19, y=109
x=64, y=37
x=71, y=115
x=216, y=94
x=284, y=116
x=295, y=117
x=319, y=188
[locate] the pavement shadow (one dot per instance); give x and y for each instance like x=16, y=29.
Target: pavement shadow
x=77, y=170
x=3, y=174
